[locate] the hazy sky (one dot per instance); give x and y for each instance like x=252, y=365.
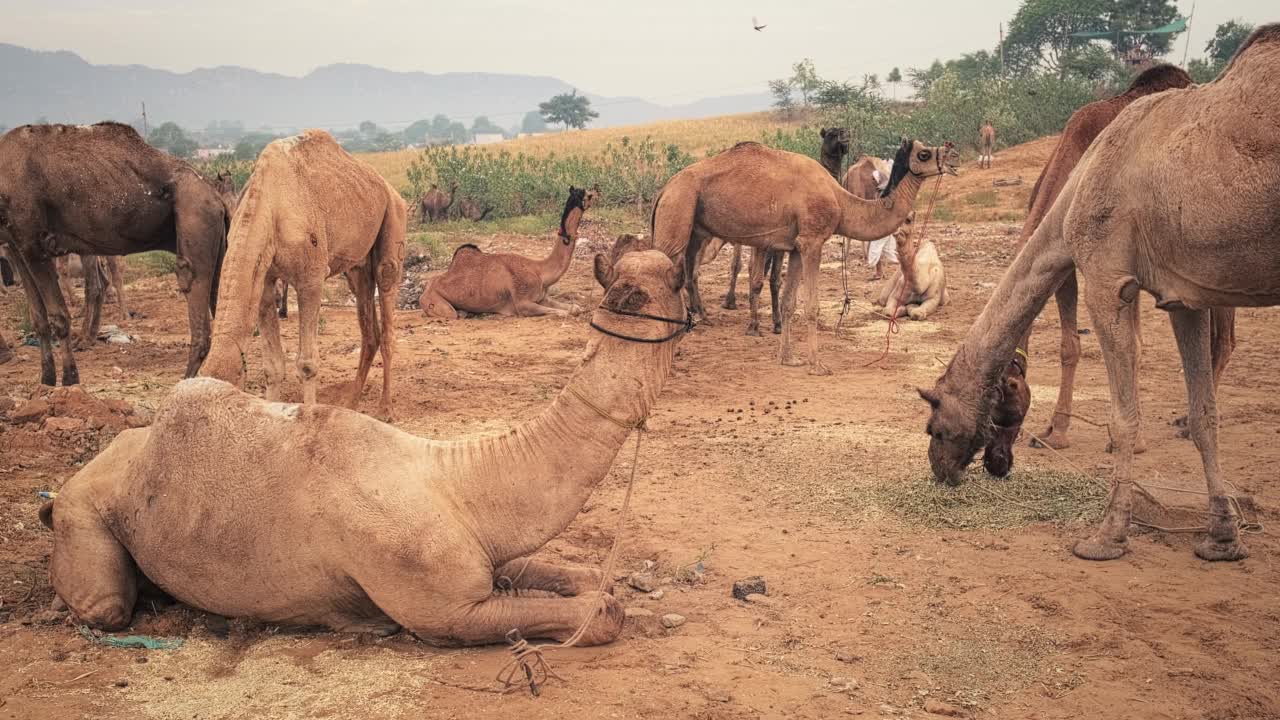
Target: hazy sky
x=663, y=50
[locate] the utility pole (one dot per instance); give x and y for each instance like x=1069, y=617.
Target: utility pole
x=1187, y=48
x=145, y=131
x=1001, y=49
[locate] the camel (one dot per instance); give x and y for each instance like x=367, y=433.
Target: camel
x=921, y=271
x=435, y=203
x=157, y=203
x=110, y=276
x=309, y=212
x=210, y=502
x=1193, y=245
x=505, y=283
x=986, y=144
x=776, y=200
x=865, y=179
x=472, y=210
x=1009, y=408
x=1085, y=125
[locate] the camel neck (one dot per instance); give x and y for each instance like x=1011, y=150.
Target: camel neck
x=869, y=220
x=832, y=162
x=554, y=266
x=523, y=488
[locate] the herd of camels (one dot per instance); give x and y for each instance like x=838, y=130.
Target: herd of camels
x=399, y=527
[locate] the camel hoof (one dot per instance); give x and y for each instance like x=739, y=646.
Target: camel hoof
x=792, y=362
x=1179, y=422
x=1182, y=434
x=5, y=356
x=729, y=305
x=916, y=315
x=819, y=369
x=752, y=331
x=606, y=625
x=1095, y=548
x=1213, y=550
x=1053, y=439
x=1138, y=447
x=777, y=329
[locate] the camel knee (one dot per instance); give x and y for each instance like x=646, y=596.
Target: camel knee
x=307, y=369
x=1070, y=350
x=59, y=324
x=110, y=612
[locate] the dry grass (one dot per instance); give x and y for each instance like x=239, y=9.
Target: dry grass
x=1027, y=496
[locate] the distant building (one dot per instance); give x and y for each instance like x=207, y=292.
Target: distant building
x=535, y=134
x=207, y=153
x=488, y=138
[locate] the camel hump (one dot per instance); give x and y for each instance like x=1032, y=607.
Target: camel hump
x=746, y=145
x=1158, y=79
x=1264, y=35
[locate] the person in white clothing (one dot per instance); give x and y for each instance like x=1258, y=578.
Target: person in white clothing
x=885, y=249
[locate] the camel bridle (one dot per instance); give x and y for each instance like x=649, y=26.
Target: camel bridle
x=937, y=157
x=686, y=325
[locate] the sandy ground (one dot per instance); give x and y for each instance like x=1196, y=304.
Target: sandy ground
x=750, y=469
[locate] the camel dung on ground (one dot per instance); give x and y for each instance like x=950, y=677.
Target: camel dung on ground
x=986, y=144
x=1194, y=245
x=102, y=190
x=920, y=271
x=776, y=200
x=505, y=283
x=435, y=203
x=314, y=515
x=310, y=211
x=1085, y=125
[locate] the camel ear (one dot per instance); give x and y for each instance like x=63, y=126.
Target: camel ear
x=930, y=397
x=605, y=274
x=675, y=278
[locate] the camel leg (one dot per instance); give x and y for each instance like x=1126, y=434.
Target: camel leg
x=812, y=270
x=1222, y=343
x=529, y=308
x=114, y=267
x=41, y=280
x=1191, y=328
x=789, y=306
x=6, y=352
x=696, y=240
x=932, y=301
x=94, y=296
x=735, y=264
x=284, y=299
x=755, y=278
x=273, y=349
x=387, y=301
x=571, y=308
x=39, y=321
x=201, y=242
x=309, y=296
x=434, y=305
x=1113, y=320
x=90, y=570
x=444, y=621
x=773, y=265
x=360, y=282
x=566, y=581
x=1057, y=434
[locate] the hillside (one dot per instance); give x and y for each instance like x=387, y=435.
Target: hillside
x=63, y=87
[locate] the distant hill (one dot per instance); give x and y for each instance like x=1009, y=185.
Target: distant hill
x=63, y=87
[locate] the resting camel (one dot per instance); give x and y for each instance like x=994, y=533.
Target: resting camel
x=47, y=173
x=776, y=200
x=471, y=209
x=986, y=144
x=435, y=203
x=211, y=501
x=309, y=212
x=1085, y=125
x=505, y=283
x=1192, y=244
x=921, y=271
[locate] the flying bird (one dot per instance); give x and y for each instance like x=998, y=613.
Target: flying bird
x=756, y=24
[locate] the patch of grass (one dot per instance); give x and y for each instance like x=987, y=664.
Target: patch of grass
x=1026, y=496
x=990, y=661
x=151, y=264
x=432, y=244
x=943, y=212
x=982, y=198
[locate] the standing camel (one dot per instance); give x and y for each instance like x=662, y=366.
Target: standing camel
x=986, y=144
x=776, y=200
x=505, y=283
x=435, y=204
x=309, y=212
x=1193, y=245
x=102, y=190
x=1085, y=125
x=319, y=516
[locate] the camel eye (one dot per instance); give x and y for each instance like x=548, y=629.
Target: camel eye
x=924, y=155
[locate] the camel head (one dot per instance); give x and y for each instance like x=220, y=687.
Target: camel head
x=959, y=421
x=921, y=161
x=572, y=215
x=835, y=141
x=642, y=298
x=1011, y=405
x=224, y=183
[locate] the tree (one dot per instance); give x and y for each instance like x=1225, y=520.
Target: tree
x=458, y=134
x=834, y=94
x=417, y=132
x=533, y=122
x=921, y=79
x=250, y=145
x=781, y=91
x=483, y=124
x=368, y=128
x=440, y=127
x=805, y=79
x=1039, y=34
x=1227, y=39
x=171, y=138
x=893, y=78
x=569, y=109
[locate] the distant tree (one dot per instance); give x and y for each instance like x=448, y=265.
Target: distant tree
x=894, y=77
x=834, y=94
x=1040, y=32
x=533, y=122
x=871, y=83
x=1227, y=39
x=483, y=124
x=223, y=131
x=173, y=140
x=922, y=79
x=781, y=91
x=458, y=133
x=805, y=79
x=251, y=145
x=440, y=127
x=569, y=109
x=417, y=132
x=369, y=129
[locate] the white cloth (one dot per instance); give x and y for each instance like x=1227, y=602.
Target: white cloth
x=885, y=246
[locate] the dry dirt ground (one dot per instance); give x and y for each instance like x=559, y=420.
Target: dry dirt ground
x=876, y=607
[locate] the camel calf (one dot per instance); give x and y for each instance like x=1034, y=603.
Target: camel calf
x=920, y=271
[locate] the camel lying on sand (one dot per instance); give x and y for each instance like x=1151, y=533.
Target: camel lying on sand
x=776, y=200
x=309, y=212
x=48, y=173
x=214, y=500
x=505, y=283
x=1193, y=245
x=924, y=276
x=471, y=209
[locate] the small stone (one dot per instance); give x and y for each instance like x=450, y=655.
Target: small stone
x=6, y=404
x=31, y=411
x=122, y=683
x=63, y=425
x=141, y=660
x=845, y=656
x=657, y=594
x=58, y=655
x=934, y=707
x=758, y=599
x=672, y=620
x=748, y=586
x=641, y=581
x=720, y=696
x=168, y=678
x=638, y=612
x=886, y=709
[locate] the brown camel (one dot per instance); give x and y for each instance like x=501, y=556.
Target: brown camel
x=505, y=283
x=1085, y=125
x=471, y=209
x=1193, y=245
x=986, y=144
x=864, y=179
x=435, y=203
x=776, y=200
x=49, y=175
x=309, y=212
x=212, y=502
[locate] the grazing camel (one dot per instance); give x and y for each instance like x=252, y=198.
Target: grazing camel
x=921, y=271
x=505, y=283
x=435, y=203
x=1085, y=125
x=213, y=500
x=157, y=202
x=471, y=209
x=1192, y=244
x=309, y=212
x=776, y=200
x=986, y=144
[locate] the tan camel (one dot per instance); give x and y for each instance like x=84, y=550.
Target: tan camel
x=212, y=501
x=471, y=209
x=1085, y=125
x=309, y=212
x=506, y=283
x=986, y=144
x=921, y=271
x=776, y=200
x=1193, y=245
x=435, y=203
